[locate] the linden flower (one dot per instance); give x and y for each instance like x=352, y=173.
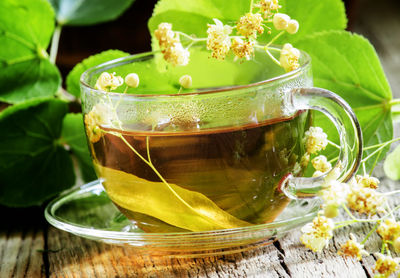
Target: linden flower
x=250, y=24
x=242, y=49
x=389, y=229
x=315, y=140
x=316, y=235
x=165, y=35
x=176, y=55
x=218, y=40
x=100, y=115
x=365, y=200
x=334, y=195
x=267, y=7
x=367, y=181
x=289, y=58
x=386, y=265
x=305, y=159
x=321, y=163
x=108, y=81
x=353, y=249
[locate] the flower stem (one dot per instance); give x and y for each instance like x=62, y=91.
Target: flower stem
x=273, y=58
x=348, y=212
x=54, y=43
x=190, y=37
x=382, y=144
x=334, y=145
x=251, y=5
x=274, y=38
x=370, y=233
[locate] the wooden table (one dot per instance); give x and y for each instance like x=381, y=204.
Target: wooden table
x=32, y=248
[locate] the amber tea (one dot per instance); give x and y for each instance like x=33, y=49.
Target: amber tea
x=239, y=169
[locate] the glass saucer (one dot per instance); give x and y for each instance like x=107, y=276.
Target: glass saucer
x=89, y=213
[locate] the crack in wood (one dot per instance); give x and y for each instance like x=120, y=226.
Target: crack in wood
x=45, y=255
x=281, y=257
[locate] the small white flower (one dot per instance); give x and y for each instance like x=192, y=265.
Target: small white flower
x=250, y=24
x=218, y=40
x=321, y=163
x=108, y=81
x=165, y=35
x=315, y=140
x=289, y=58
x=242, y=49
x=177, y=55
x=353, y=249
x=316, y=235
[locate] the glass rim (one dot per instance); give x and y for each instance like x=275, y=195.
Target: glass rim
x=199, y=91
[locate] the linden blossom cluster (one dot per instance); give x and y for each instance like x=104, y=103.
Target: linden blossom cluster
x=360, y=196
x=221, y=38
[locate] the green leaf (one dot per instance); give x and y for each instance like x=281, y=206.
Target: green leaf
x=348, y=65
x=313, y=16
x=33, y=165
x=25, y=71
x=87, y=12
x=192, y=16
x=156, y=200
x=73, y=133
x=392, y=164
x=94, y=60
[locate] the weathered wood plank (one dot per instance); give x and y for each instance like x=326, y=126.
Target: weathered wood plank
x=77, y=257
x=21, y=243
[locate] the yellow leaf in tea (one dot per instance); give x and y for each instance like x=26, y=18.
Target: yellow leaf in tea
x=157, y=200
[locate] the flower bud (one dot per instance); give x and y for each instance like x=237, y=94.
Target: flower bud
x=185, y=81
x=132, y=80
x=280, y=21
x=292, y=27
x=331, y=211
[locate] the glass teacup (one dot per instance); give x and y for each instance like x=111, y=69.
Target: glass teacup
x=227, y=153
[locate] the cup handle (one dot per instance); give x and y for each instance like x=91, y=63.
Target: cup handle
x=340, y=113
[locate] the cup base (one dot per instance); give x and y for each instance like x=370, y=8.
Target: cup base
x=89, y=213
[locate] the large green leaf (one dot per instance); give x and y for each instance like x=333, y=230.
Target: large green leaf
x=348, y=65
x=94, y=60
x=192, y=16
x=25, y=30
x=87, y=12
x=313, y=16
x=33, y=165
x=73, y=133
x=155, y=199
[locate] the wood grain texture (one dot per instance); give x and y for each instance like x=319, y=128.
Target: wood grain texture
x=21, y=253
